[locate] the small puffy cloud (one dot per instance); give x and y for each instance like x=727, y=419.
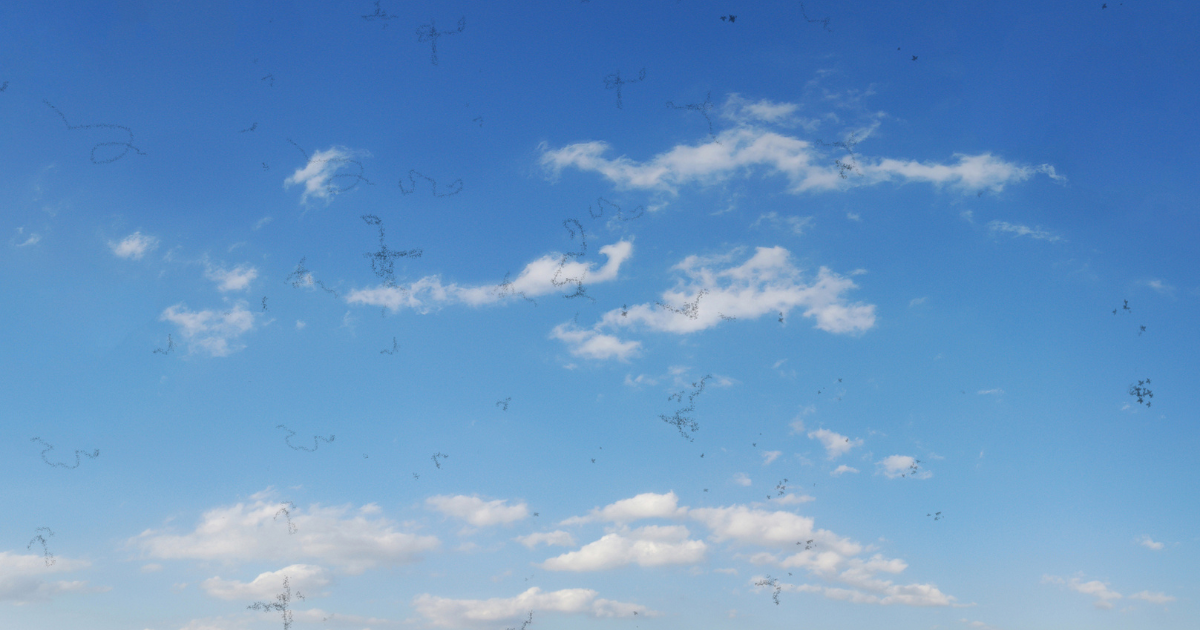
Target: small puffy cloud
x=1153, y=598
x=214, y=332
x=345, y=538
x=742, y=479
x=26, y=578
x=770, y=456
x=741, y=150
x=645, y=505
x=305, y=578
x=133, y=246
x=557, y=538
x=835, y=444
x=235, y=279
x=591, y=344
x=795, y=225
x=765, y=284
x=649, y=546
x=1022, y=230
x=853, y=216
x=478, y=512
x=1094, y=588
x=916, y=301
x=840, y=470
x=442, y=612
x=548, y=274
x=1160, y=286
x=1149, y=543
x=322, y=170
x=895, y=466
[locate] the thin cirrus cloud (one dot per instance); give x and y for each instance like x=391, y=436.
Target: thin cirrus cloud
x=134, y=246
x=477, y=511
x=715, y=289
x=807, y=167
x=352, y=540
x=305, y=578
x=24, y=578
x=556, y=538
x=210, y=331
x=442, y=612
x=1017, y=229
x=540, y=277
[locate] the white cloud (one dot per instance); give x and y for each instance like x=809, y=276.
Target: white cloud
x=770, y=456
x=741, y=110
x=211, y=331
x=1161, y=287
x=794, y=224
x=133, y=246
x=645, y=505
x=835, y=444
x=543, y=276
x=319, y=173
x=1153, y=598
x=792, y=499
x=902, y=466
x=649, y=546
x=235, y=279
x=305, y=578
x=1095, y=588
x=478, y=512
x=32, y=239
x=797, y=423
x=335, y=535
x=765, y=284
x=443, y=612
x=996, y=391
x=853, y=216
x=556, y=538
x=916, y=301
x=591, y=344
x=840, y=470
x=300, y=325
x=742, y=479
x=1022, y=230
x=261, y=222
x=24, y=578
x=806, y=166
x=824, y=554
x=1148, y=543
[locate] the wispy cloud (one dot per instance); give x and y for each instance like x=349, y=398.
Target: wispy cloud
x=133, y=246
x=323, y=169
x=835, y=444
x=1099, y=590
x=442, y=612
x=1149, y=543
x=1022, y=230
x=841, y=470
x=543, y=276
x=236, y=279
x=807, y=166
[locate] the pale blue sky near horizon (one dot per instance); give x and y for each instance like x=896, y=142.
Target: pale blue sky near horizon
x=883, y=289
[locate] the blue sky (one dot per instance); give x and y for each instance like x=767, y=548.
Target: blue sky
x=811, y=324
